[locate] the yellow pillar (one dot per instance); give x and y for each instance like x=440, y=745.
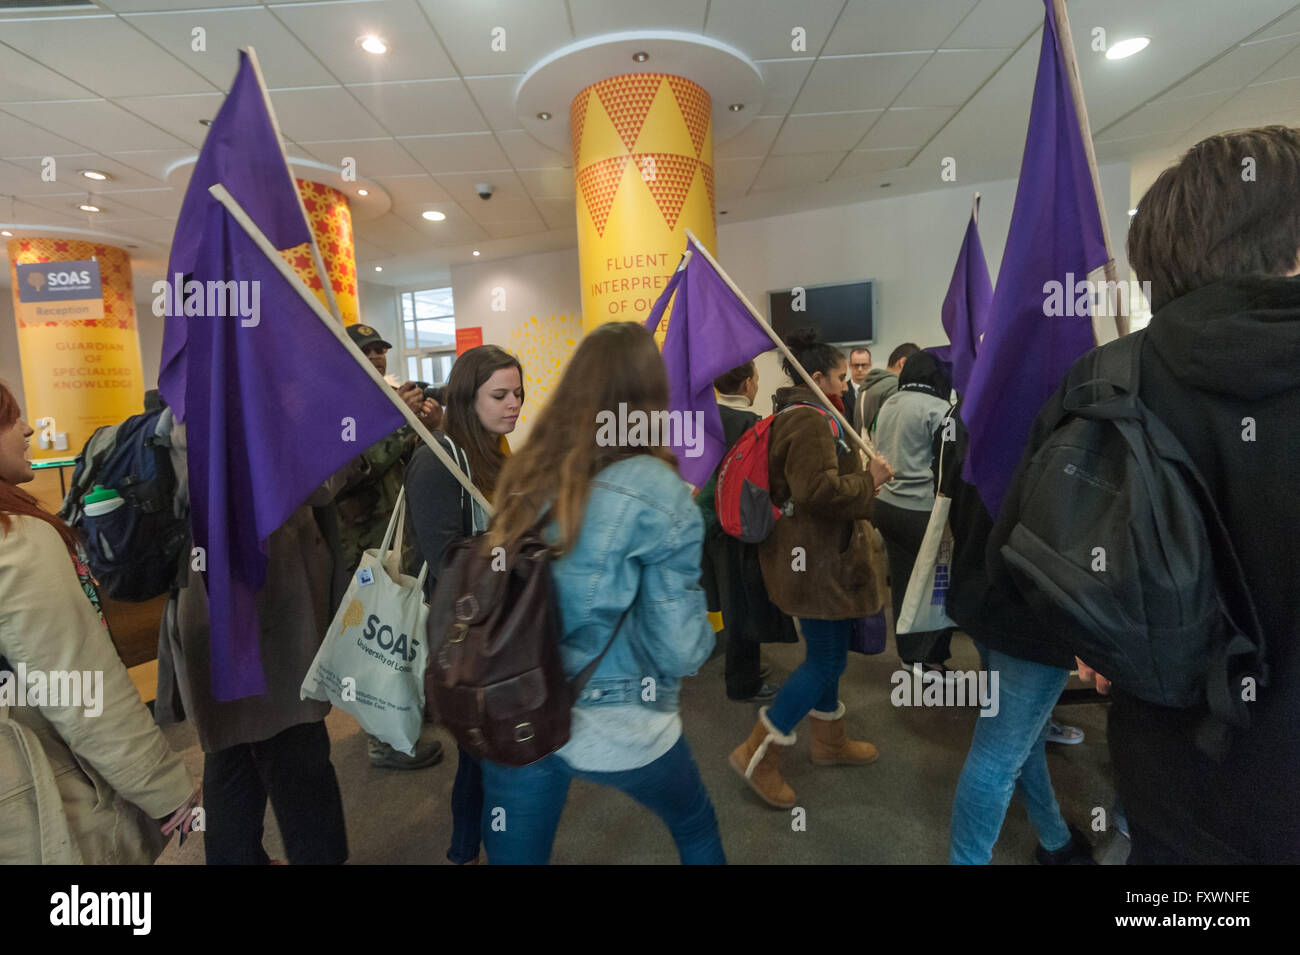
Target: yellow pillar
x=79, y=352
x=643, y=161
x=330, y=216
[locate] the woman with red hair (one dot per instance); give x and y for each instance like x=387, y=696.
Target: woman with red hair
x=91, y=782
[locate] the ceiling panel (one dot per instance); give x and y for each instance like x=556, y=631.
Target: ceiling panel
x=762, y=28
x=1170, y=116
x=178, y=115
x=495, y=96
x=754, y=140
x=781, y=82
x=998, y=23
x=467, y=153
x=319, y=114
x=104, y=54
x=901, y=128
x=857, y=82
x=461, y=186
x=331, y=32
x=784, y=172
x=1242, y=65
x=500, y=209
x=418, y=109
x=457, y=227
x=135, y=6
x=25, y=79
x=17, y=178
x=883, y=26
x=97, y=123
x=1284, y=69
x=284, y=61
x=20, y=138
x=418, y=188
x=527, y=153
x=1288, y=25
x=823, y=133
x=373, y=157
x=592, y=17
x=548, y=183
x=165, y=203
x=504, y=230
x=531, y=31
x=864, y=162
x=734, y=176
x=67, y=173
x=950, y=77
x=155, y=162
x=558, y=213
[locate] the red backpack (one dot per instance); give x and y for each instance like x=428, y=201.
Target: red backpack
x=743, y=496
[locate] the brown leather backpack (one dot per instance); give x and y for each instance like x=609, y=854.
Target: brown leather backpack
x=494, y=671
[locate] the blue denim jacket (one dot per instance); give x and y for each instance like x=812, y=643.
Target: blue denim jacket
x=641, y=539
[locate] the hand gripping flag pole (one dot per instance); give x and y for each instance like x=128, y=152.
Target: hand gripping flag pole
x=220, y=193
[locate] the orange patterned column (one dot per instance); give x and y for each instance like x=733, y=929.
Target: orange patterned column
x=80, y=372
x=643, y=160
x=331, y=222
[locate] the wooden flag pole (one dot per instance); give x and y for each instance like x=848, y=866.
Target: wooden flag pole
x=852, y=432
x=223, y=196
x=975, y=209
x=1066, y=40
x=316, y=259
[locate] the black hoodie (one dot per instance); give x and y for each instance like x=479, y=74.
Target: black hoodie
x=1221, y=368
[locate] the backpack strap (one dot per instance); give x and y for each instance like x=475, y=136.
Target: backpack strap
x=586, y=673
x=462, y=461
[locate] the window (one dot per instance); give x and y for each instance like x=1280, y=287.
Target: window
x=428, y=335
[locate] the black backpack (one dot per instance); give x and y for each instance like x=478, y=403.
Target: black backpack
x=133, y=551
x=1170, y=619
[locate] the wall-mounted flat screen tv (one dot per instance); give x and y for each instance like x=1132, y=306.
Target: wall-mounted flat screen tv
x=842, y=314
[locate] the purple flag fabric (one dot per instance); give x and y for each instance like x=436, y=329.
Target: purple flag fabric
x=242, y=153
x=1055, y=237
x=275, y=404
x=966, y=307
x=710, y=331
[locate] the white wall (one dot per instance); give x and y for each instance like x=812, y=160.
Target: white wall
x=908, y=244
x=378, y=305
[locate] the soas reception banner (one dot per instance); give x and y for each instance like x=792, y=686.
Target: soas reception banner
x=59, y=291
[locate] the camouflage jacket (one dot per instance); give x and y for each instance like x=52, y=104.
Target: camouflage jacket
x=366, y=503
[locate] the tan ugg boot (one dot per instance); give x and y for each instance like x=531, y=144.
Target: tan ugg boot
x=831, y=745
x=757, y=760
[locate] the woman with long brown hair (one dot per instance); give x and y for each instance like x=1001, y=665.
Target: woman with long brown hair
x=484, y=396
x=627, y=538
x=80, y=780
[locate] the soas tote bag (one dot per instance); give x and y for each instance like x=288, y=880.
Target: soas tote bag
x=372, y=661
x=927, y=591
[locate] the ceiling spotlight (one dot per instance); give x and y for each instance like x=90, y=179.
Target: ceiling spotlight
x=95, y=175
x=475, y=251
x=1126, y=48
x=379, y=268
x=363, y=192
x=372, y=44
x=87, y=207
x=640, y=57
x=434, y=215
x=736, y=107
x=6, y=232
x=543, y=115
x=205, y=122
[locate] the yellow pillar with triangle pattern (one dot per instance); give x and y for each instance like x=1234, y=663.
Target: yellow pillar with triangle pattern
x=643, y=161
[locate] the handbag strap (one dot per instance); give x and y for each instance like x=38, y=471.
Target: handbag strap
x=586, y=673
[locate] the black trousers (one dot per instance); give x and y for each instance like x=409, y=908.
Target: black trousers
x=293, y=768
x=742, y=666
x=903, y=531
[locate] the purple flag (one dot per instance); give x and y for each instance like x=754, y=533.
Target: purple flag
x=710, y=331
x=242, y=153
x=966, y=306
x=275, y=403
x=1055, y=235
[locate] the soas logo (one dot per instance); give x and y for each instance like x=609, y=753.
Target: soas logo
x=68, y=278
x=36, y=280
x=382, y=634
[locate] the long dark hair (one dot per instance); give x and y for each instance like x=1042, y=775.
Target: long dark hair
x=460, y=421
x=618, y=363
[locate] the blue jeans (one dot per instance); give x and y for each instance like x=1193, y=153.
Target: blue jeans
x=1008, y=753
x=466, y=809
x=522, y=806
x=815, y=685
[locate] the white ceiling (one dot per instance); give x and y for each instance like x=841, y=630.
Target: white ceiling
x=885, y=90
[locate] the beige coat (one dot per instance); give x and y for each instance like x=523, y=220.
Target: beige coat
x=74, y=788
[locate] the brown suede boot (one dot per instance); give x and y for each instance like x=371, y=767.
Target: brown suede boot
x=831, y=745
x=756, y=760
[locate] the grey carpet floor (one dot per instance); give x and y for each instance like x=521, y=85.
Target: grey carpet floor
x=895, y=811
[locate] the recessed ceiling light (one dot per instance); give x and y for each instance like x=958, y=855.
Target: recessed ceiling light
x=1132, y=212
x=736, y=107
x=1126, y=48
x=372, y=44
x=87, y=207
x=363, y=192
x=543, y=115
x=640, y=57
x=95, y=174
x=433, y=215
x=379, y=268
x=6, y=232
x=476, y=251
x=205, y=122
